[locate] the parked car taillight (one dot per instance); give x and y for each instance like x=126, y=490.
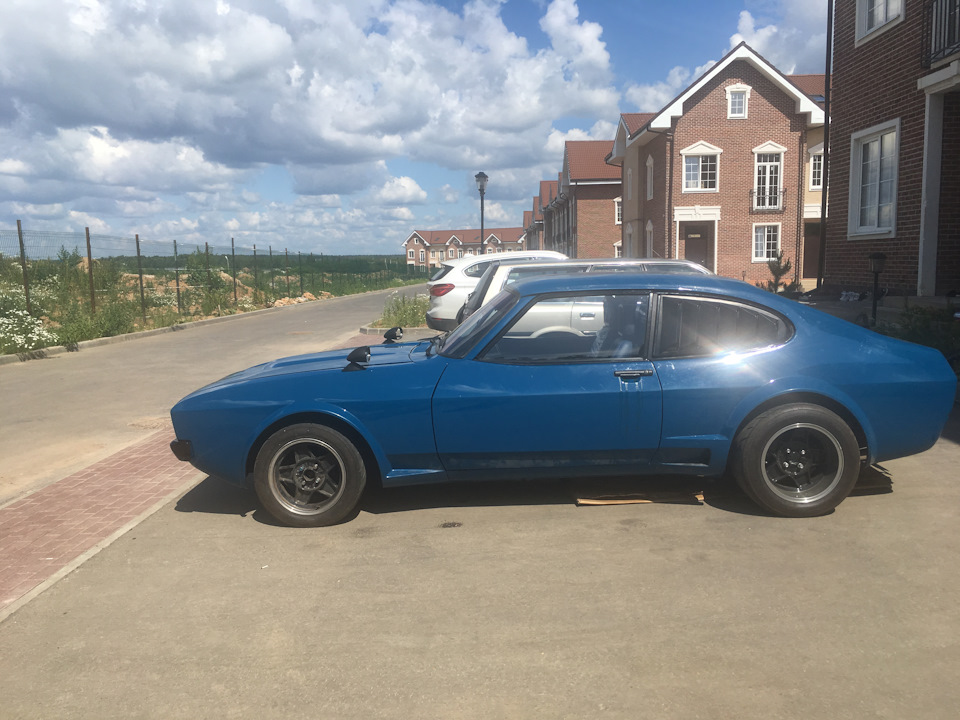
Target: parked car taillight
x=441, y=290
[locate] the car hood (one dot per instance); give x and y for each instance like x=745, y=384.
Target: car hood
x=393, y=354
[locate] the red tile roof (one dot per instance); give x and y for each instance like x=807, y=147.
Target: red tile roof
x=468, y=236
x=635, y=121
x=808, y=84
x=586, y=160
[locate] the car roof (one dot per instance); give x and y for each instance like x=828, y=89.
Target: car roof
x=535, y=255
x=601, y=281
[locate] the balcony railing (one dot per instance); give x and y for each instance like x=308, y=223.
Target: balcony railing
x=767, y=200
x=942, y=30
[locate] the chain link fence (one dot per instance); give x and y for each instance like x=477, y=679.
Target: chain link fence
x=60, y=288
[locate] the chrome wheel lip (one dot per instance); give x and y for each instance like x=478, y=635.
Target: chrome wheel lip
x=281, y=493
x=820, y=487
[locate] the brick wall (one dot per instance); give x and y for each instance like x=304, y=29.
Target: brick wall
x=871, y=84
x=596, y=229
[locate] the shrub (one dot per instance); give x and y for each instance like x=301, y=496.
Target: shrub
x=404, y=311
x=20, y=332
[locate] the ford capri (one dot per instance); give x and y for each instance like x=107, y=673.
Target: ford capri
x=587, y=375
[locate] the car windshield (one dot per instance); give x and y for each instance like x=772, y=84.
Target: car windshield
x=459, y=341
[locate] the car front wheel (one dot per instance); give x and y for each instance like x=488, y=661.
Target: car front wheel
x=797, y=460
x=309, y=475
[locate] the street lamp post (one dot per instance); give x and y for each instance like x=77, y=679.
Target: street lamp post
x=481, y=178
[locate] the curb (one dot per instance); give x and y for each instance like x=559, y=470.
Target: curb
x=417, y=333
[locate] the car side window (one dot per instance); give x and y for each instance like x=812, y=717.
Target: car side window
x=575, y=329
x=477, y=269
x=695, y=327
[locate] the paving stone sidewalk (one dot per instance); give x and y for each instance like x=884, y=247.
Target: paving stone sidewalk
x=46, y=533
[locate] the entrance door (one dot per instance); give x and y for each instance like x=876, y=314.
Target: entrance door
x=811, y=249
x=698, y=243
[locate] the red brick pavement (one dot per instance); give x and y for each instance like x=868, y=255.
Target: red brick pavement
x=43, y=533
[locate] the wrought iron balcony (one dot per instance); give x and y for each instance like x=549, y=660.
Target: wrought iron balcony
x=767, y=200
x=941, y=30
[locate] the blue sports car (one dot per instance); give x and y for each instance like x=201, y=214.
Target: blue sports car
x=589, y=375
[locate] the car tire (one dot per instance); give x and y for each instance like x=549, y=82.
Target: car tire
x=797, y=460
x=309, y=475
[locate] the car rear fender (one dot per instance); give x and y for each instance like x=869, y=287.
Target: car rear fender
x=791, y=391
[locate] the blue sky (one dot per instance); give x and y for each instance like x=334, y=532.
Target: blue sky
x=336, y=126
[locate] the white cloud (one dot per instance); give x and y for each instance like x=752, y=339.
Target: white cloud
x=399, y=191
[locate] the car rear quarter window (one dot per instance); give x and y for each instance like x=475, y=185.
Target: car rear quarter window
x=444, y=269
x=696, y=326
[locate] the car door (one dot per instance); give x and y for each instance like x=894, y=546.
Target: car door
x=548, y=401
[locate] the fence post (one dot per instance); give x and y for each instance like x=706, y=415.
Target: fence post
x=233, y=255
x=23, y=265
x=322, y=278
x=206, y=255
x=286, y=268
x=93, y=298
x=300, y=263
x=273, y=275
x=176, y=270
x=143, y=302
x=256, y=277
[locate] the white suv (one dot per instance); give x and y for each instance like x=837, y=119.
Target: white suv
x=455, y=279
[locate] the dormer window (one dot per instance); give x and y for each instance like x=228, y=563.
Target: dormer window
x=737, y=97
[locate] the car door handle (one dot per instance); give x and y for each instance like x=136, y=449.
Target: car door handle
x=632, y=374
x=588, y=315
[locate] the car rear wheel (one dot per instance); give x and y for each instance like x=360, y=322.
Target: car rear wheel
x=309, y=475
x=797, y=460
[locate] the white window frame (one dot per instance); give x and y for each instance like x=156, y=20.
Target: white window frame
x=459, y=252
x=858, y=141
x=765, y=151
x=423, y=255
x=410, y=254
x=649, y=238
x=618, y=211
x=701, y=150
x=816, y=154
x=892, y=11
x=649, y=177
x=753, y=242
x=739, y=90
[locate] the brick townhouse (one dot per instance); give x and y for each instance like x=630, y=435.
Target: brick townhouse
x=895, y=145
x=548, y=191
x=429, y=248
x=729, y=173
x=583, y=219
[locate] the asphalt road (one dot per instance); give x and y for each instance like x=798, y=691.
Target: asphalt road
x=64, y=412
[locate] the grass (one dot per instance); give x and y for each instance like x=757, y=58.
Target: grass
x=404, y=311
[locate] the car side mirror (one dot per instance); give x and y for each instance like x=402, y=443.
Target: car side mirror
x=393, y=335
x=356, y=357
